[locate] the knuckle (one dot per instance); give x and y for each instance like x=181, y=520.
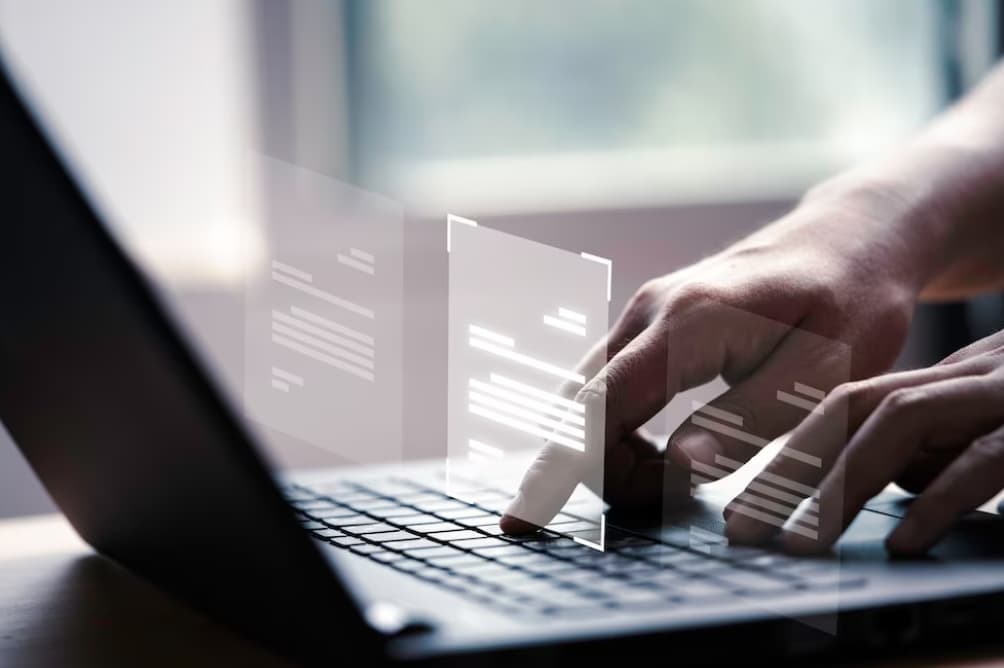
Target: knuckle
x=645, y=300
x=694, y=296
x=904, y=401
x=855, y=397
x=595, y=392
x=989, y=447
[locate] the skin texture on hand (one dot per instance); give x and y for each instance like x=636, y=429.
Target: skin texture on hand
x=848, y=265
x=808, y=271
x=938, y=431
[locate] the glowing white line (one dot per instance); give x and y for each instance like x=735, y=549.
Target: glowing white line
x=770, y=519
x=334, y=326
x=569, y=314
x=526, y=360
x=770, y=477
x=525, y=414
x=539, y=394
x=780, y=508
x=567, y=326
x=707, y=469
x=450, y=219
x=479, y=458
x=324, y=334
x=737, y=420
x=485, y=449
x=783, y=496
x=500, y=339
x=526, y=428
x=729, y=431
x=356, y=264
x=725, y=461
x=287, y=376
x=800, y=456
x=609, y=265
x=799, y=402
x=810, y=391
x=540, y=406
x=362, y=255
x=326, y=347
x=292, y=271
x=279, y=385
x=320, y=357
x=600, y=546
x=325, y=296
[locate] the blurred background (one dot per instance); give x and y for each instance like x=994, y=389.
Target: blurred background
x=652, y=132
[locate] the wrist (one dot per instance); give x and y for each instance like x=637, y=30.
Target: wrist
x=895, y=213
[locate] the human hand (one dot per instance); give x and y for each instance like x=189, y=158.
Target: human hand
x=843, y=265
x=938, y=431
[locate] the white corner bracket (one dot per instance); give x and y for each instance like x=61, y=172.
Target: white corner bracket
x=610, y=269
x=450, y=219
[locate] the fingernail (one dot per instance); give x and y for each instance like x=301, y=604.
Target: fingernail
x=512, y=521
x=697, y=445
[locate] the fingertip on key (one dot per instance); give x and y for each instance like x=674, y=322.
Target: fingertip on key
x=515, y=526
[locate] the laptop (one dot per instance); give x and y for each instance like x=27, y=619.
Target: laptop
x=141, y=451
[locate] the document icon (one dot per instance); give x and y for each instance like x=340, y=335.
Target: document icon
x=324, y=316
x=523, y=317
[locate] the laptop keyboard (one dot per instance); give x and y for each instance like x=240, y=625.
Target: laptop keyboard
x=457, y=545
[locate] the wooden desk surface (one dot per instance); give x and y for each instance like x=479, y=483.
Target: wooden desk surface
x=62, y=605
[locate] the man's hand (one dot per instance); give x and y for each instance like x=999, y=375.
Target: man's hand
x=836, y=267
x=846, y=265
x=939, y=431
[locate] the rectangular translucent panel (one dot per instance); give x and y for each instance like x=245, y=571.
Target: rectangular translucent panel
x=789, y=383
x=524, y=318
x=323, y=341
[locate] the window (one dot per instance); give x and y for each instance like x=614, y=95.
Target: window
x=631, y=99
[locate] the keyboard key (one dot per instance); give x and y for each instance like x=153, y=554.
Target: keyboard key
x=457, y=560
x=332, y=512
x=477, y=543
x=311, y=525
x=492, y=529
x=346, y=541
x=417, y=544
x=313, y=504
x=549, y=567
x=374, y=527
x=480, y=520
x=386, y=557
x=416, y=519
x=417, y=498
x=327, y=533
x=438, y=527
x=390, y=536
x=500, y=551
x=348, y=521
x=460, y=513
x=432, y=552
x=455, y=535
x=391, y=512
x=366, y=548
x=389, y=487
x=408, y=564
x=439, y=504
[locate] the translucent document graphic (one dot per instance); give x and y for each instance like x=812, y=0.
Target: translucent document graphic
x=323, y=341
x=794, y=378
x=523, y=317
